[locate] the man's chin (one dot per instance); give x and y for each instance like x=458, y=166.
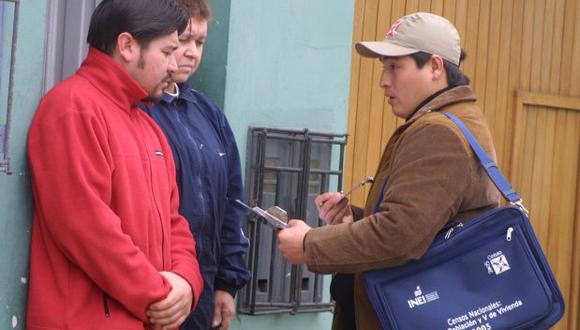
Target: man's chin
x=153, y=97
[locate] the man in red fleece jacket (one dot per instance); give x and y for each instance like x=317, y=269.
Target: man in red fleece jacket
x=109, y=249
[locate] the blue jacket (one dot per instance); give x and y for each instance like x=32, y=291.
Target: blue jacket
x=208, y=175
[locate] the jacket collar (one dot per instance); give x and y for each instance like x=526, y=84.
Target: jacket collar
x=185, y=93
x=111, y=79
x=454, y=95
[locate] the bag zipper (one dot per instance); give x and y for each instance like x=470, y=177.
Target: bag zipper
x=508, y=236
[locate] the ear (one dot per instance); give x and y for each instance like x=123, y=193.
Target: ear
x=127, y=47
x=437, y=67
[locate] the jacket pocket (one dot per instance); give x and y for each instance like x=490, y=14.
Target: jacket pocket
x=106, y=305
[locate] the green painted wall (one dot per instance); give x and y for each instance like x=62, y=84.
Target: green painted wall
x=288, y=66
x=15, y=196
x=211, y=75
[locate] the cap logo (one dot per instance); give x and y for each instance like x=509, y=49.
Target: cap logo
x=393, y=30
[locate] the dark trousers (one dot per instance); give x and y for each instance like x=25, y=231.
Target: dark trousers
x=342, y=292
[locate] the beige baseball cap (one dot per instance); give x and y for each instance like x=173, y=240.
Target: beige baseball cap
x=417, y=32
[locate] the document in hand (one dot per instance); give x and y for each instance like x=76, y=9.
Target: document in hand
x=274, y=216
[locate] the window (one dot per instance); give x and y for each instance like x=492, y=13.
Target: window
x=66, y=47
x=8, y=39
x=287, y=168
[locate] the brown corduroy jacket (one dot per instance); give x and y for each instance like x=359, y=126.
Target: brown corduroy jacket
x=432, y=176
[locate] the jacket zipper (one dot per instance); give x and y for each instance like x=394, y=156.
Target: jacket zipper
x=106, y=305
x=198, y=158
x=155, y=202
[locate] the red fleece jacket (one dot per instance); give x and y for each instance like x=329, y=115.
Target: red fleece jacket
x=106, y=220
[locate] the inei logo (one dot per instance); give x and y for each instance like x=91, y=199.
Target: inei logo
x=393, y=30
x=422, y=299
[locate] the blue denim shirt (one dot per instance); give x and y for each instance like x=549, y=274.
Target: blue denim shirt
x=208, y=177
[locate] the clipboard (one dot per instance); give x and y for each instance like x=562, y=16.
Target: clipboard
x=272, y=215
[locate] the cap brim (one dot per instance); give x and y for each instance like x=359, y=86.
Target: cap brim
x=380, y=48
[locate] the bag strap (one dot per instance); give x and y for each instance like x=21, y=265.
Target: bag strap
x=380, y=198
x=489, y=165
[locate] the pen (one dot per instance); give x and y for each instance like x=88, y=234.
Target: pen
x=368, y=179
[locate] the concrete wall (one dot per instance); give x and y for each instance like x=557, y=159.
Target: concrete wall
x=15, y=196
x=287, y=65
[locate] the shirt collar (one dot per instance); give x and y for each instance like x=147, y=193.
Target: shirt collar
x=169, y=97
x=184, y=92
x=444, y=98
x=427, y=100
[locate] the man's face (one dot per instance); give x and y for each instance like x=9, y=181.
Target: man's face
x=405, y=85
x=190, y=50
x=155, y=64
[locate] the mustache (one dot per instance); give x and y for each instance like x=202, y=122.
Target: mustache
x=152, y=98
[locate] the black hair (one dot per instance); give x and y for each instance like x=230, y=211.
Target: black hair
x=454, y=75
x=145, y=20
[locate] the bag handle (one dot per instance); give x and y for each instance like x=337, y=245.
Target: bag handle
x=489, y=165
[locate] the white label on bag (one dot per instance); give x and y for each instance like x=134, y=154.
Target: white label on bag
x=497, y=263
x=478, y=319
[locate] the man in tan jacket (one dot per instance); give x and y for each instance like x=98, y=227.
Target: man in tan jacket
x=427, y=175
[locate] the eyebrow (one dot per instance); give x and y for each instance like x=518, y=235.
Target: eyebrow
x=170, y=47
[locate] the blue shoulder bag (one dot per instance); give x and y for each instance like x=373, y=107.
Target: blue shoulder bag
x=488, y=273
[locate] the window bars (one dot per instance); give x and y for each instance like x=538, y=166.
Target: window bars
x=288, y=168
x=5, y=127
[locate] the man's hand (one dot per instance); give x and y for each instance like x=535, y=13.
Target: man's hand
x=170, y=312
x=291, y=241
x=333, y=208
x=223, y=311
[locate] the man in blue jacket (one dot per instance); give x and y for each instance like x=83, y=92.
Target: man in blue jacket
x=208, y=177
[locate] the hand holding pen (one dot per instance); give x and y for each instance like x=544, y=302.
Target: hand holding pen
x=333, y=207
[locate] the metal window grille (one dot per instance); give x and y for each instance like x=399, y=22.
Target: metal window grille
x=288, y=168
x=6, y=89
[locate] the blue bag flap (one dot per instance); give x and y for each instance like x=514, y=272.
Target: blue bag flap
x=476, y=280
x=477, y=272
